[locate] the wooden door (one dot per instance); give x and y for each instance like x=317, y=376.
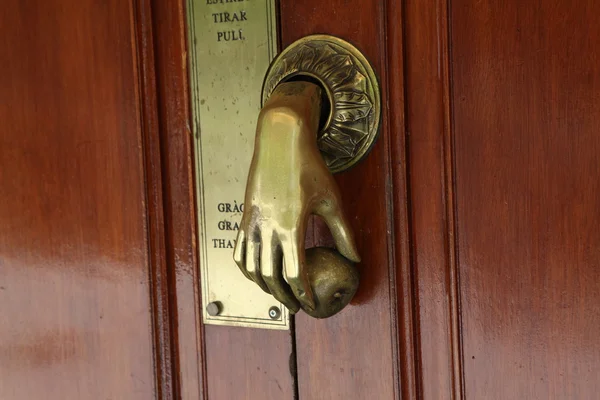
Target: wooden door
x=476, y=214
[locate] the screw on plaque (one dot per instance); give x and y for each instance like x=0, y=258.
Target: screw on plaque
x=274, y=312
x=213, y=309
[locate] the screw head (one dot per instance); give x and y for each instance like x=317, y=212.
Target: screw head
x=213, y=309
x=274, y=312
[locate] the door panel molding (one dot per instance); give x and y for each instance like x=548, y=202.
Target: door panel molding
x=431, y=183
x=405, y=334
x=189, y=365
x=151, y=147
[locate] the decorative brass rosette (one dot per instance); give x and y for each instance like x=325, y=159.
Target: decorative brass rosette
x=351, y=87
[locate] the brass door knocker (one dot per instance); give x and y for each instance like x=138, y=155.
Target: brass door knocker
x=318, y=78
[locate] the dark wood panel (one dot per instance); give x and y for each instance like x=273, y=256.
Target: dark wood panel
x=177, y=171
x=405, y=342
x=250, y=364
x=212, y=362
x=431, y=197
x=527, y=110
x=352, y=355
x=75, y=273
x=159, y=285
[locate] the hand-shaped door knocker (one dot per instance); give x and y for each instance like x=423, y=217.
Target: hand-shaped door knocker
x=290, y=176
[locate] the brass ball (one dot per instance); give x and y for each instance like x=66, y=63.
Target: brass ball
x=333, y=279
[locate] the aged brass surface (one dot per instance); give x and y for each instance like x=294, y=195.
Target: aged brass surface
x=352, y=90
x=289, y=180
x=230, y=47
x=333, y=279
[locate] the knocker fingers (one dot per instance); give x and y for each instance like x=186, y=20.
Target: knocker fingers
x=271, y=260
x=247, y=256
x=296, y=274
x=239, y=253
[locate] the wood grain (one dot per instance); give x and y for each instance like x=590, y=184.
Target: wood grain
x=248, y=364
x=78, y=265
x=179, y=207
x=405, y=341
x=352, y=355
x=526, y=115
x=428, y=121
x=159, y=285
x=476, y=214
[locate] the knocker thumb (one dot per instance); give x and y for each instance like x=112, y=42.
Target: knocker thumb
x=340, y=230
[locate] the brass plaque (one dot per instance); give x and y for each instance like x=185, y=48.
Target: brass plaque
x=231, y=44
